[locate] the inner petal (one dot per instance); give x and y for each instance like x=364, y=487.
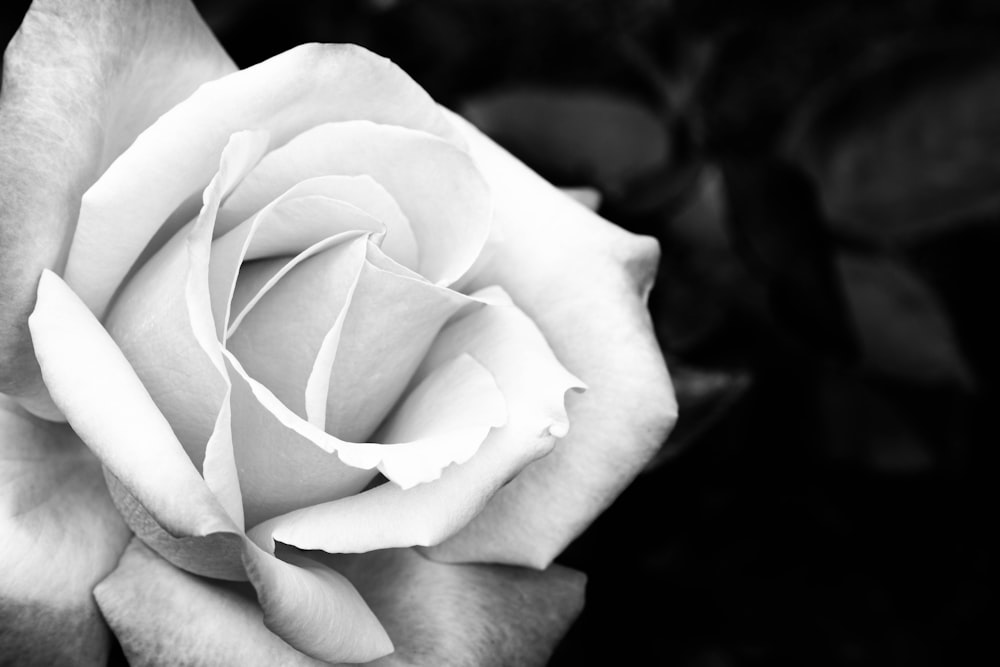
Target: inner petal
x=362, y=191
x=437, y=185
x=391, y=322
x=304, y=215
x=281, y=333
x=442, y=421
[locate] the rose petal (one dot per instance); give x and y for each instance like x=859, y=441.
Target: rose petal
x=165, y=501
x=533, y=384
x=315, y=609
x=484, y=615
x=162, y=321
x=164, y=616
x=368, y=357
x=293, y=91
x=361, y=191
x=296, y=220
x=286, y=463
x=390, y=324
x=219, y=468
x=281, y=469
x=281, y=333
x=434, y=183
x=444, y=420
x=104, y=401
x=80, y=81
x=588, y=298
x=438, y=614
x=61, y=535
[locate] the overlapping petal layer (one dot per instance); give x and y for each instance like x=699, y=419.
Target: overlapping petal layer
x=92, y=383
x=436, y=614
x=172, y=159
x=463, y=393
x=163, y=323
x=533, y=384
x=434, y=182
x=80, y=81
x=584, y=282
x=279, y=336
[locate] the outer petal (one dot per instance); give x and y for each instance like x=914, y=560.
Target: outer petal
x=584, y=282
x=165, y=617
x=163, y=323
x=109, y=408
x=163, y=497
x=438, y=614
x=61, y=535
x=435, y=184
x=532, y=382
x=457, y=615
x=176, y=156
x=80, y=81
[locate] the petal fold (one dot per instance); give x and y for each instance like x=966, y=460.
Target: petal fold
x=164, y=616
x=584, y=282
x=456, y=615
x=533, y=385
x=163, y=321
x=109, y=408
x=434, y=182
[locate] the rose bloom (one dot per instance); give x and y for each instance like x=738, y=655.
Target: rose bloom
x=299, y=328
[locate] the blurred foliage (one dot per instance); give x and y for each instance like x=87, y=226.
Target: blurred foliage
x=824, y=179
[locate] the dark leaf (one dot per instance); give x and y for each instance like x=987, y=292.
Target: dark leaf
x=700, y=276
x=778, y=230
x=704, y=396
x=575, y=136
x=904, y=330
x=866, y=427
x=908, y=146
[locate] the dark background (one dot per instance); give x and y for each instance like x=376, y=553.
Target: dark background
x=824, y=179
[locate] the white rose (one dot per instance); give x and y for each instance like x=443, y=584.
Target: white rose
x=300, y=275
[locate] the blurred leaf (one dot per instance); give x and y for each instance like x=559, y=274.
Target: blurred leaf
x=704, y=396
x=904, y=330
x=864, y=426
x=575, y=136
x=778, y=230
x=908, y=145
x=702, y=223
x=700, y=275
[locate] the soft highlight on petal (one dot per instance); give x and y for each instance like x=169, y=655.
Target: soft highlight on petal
x=444, y=420
x=107, y=405
x=389, y=326
x=281, y=334
x=172, y=159
x=80, y=81
x=162, y=322
x=589, y=300
x=533, y=384
x=281, y=468
x=435, y=184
